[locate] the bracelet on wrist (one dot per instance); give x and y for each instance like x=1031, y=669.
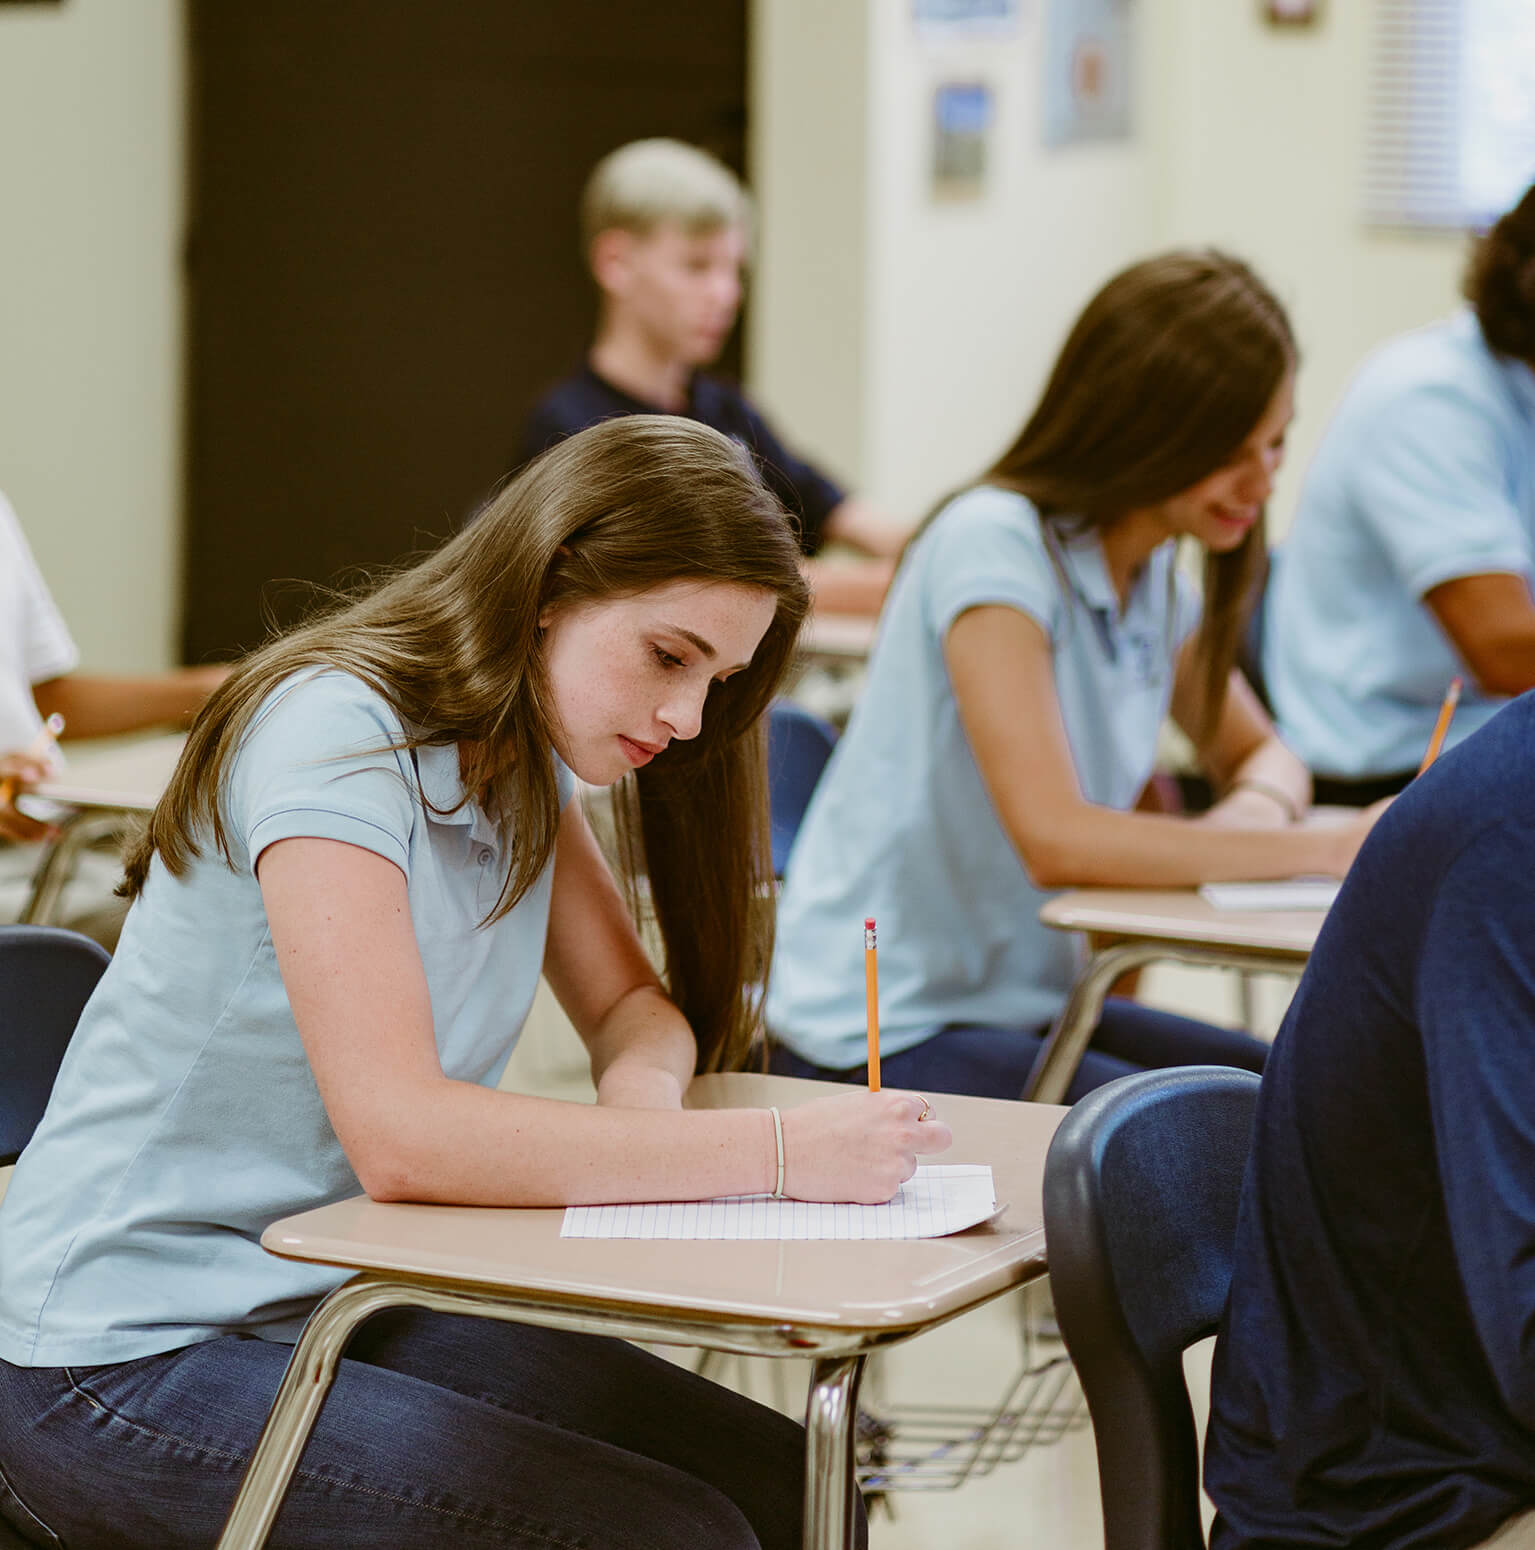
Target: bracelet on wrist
x=778, y=1141
x=1274, y=793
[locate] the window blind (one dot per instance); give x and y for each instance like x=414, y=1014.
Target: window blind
x=1451, y=138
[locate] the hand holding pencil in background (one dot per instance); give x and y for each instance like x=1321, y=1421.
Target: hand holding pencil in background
x=23, y=769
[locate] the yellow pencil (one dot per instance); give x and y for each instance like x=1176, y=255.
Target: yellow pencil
x=871, y=1000
x=36, y=749
x=1442, y=725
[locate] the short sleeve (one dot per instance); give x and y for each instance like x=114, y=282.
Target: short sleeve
x=1476, y=1010
x=317, y=762
x=1430, y=484
x=45, y=647
x=988, y=546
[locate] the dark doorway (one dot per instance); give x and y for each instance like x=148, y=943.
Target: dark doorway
x=382, y=260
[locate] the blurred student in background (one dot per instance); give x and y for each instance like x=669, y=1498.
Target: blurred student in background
x=1413, y=547
x=38, y=678
x=1035, y=639
x=666, y=230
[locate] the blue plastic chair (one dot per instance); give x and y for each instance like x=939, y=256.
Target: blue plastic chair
x=799, y=744
x=46, y=976
x=1141, y=1188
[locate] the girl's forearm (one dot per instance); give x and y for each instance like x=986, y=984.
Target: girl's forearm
x=1100, y=847
x=1272, y=767
x=643, y=1051
x=469, y=1145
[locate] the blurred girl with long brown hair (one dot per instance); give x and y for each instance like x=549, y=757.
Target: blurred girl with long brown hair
x=1036, y=637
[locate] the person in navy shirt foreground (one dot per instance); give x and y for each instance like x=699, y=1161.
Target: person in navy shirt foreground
x=1374, y=1379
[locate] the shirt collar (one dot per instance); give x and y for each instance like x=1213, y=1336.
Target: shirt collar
x=1088, y=571
x=1518, y=374
x=1521, y=378
x=442, y=785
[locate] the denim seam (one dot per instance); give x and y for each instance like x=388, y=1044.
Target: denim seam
x=313, y=1476
x=32, y=1518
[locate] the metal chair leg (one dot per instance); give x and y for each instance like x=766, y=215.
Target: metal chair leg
x=830, y=1496
x=311, y=1371
x=59, y=862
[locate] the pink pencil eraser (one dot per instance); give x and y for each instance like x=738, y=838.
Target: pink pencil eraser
x=868, y=924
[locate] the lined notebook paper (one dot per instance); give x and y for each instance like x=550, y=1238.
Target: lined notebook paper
x=1294, y=893
x=933, y=1202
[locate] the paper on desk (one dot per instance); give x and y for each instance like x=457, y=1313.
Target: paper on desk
x=1293, y=893
x=933, y=1202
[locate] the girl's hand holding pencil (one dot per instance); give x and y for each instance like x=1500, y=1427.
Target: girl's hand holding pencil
x=17, y=772
x=858, y=1146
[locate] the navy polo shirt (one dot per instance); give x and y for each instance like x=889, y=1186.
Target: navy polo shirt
x=585, y=398
x=1374, y=1381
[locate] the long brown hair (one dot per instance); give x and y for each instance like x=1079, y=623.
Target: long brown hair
x=1161, y=378
x=453, y=645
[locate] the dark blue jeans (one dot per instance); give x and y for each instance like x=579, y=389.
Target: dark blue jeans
x=440, y=1431
x=995, y=1062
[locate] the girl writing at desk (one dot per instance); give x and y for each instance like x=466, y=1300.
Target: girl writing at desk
x=1035, y=638
x=366, y=858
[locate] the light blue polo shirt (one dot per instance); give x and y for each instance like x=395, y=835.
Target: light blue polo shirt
x=186, y=1118
x=901, y=826
x=1426, y=473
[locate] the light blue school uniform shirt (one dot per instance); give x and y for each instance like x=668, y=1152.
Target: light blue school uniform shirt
x=901, y=826
x=1426, y=473
x=186, y=1118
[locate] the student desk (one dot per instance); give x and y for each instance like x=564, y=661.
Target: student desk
x=107, y=787
x=831, y=1301
x=1140, y=925
x=837, y=638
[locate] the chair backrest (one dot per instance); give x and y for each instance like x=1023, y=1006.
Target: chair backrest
x=46, y=977
x=799, y=744
x=1141, y=1189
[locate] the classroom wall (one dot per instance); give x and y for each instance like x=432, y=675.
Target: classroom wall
x=1247, y=136
x=897, y=337
x=1258, y=139
x=90, y=216
x=958, y=304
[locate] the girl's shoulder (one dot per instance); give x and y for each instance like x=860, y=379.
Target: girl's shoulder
x=989, y=507
x=988, y=545
x=323, y=697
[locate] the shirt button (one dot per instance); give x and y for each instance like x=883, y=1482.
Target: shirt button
x=484, y=858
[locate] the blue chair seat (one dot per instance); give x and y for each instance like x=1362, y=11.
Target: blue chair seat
x=46, y=977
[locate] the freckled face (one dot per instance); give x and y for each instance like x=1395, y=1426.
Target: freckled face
x=1221, y=509
x=629, y=674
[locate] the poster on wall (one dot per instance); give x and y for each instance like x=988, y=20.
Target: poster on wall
x=940, y=18
x=962, y=115
x=1088, y=64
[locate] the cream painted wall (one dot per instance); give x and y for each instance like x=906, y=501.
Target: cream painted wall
x=970, y=300
x=903, y=339
x=897, y=336
x=1257, y=138
x=91, y=131
x=809, y=136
